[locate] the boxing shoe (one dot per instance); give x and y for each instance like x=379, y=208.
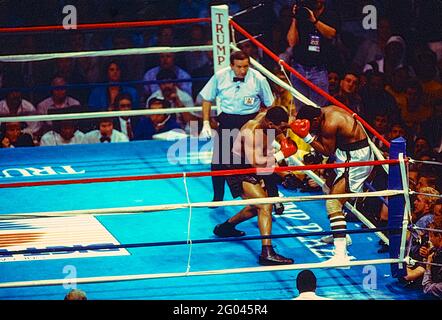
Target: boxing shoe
x=269, y=257
x=279, y=208
x=226, y=230
x=329, y=239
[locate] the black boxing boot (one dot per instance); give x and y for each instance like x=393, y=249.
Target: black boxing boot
x=269, y=257
x=227, y=229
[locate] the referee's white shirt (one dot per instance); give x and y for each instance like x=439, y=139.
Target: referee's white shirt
x=238, y=97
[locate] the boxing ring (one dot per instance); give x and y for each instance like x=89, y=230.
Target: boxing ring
x=123, y=221
x=154, y=228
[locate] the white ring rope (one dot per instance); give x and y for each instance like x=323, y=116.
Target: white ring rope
x=54, y=282
x=102, y=53
x=426, y=194
x=425, y=162
x=101, y=114
x=166, y=207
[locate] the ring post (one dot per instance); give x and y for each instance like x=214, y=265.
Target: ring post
x=396, y=206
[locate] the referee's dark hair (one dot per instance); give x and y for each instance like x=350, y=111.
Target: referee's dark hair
x=238, y=55
x=277, y=115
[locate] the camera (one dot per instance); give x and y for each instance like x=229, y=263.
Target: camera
x=301, y=12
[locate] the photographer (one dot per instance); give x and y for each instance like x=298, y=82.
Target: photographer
x=311, y=37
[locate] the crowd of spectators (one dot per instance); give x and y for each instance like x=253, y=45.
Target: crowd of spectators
x=391, y=76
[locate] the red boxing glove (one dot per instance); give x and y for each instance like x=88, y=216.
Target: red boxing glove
x=288, y=148
x=302, y=128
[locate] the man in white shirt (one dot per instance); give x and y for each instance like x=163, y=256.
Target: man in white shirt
x=167, y=62
x=15, y=105
x=105, y=133
x=306, y=285
x=64, y=132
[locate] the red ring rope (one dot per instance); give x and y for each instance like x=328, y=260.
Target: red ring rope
x=307, y=82
x=111, y=25
x=197, y=174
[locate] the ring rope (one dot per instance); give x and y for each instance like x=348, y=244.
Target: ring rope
x=99, y=114
x=168, y=207
x=426, y=194
x=415, y=227
x=100, y=53
x=425, y=162
x=184, y=242
x=100, y=84
x=111, y=25
x=101, y=279
x=258, y=171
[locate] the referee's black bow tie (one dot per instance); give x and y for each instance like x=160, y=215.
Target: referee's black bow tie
x=103, y=139
x=238, y=79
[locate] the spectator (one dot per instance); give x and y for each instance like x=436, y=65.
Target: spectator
x=196, y=59
x=333, y=83
x=15, y=105
x=63, y=131
x=87, y=67
x=306, y=285
x=205, y=70
x=167, y=62
x=125, y=124
x=66, y=69
x=12, y=135
x=132, y=64
x=373, y=49
x=148, y=126
x=348, y=92
x=75, y=294
x=103, y=98
x=105, y=133
x=376, y=100
x=380, y=124
x=421, y=146
x=431, y=129
x=311, y=34
x=58, y=100
x=426, y=71
x=395, y=57
x=398, y=86
x=432, y=281
x=415, y=111
x=422, y=216
x=176, y=97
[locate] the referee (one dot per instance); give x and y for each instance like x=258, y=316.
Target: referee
x=242, y=92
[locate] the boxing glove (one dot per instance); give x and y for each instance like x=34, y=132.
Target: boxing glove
x=302, y=128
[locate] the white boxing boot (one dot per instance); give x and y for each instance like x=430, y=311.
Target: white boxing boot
x=340, y=256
